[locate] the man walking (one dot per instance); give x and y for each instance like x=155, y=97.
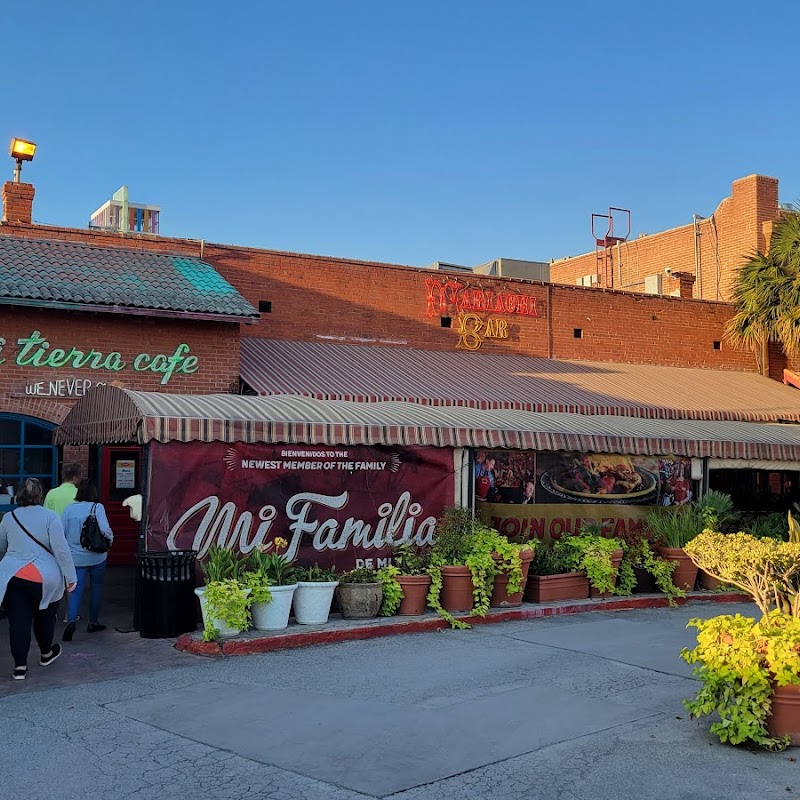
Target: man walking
x=58, y=499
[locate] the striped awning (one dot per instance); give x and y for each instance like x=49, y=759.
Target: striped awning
x=108, y=414
x=329, y=371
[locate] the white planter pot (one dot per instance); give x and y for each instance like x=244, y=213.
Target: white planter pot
x=274, y=615
x=224, y=631
x=312, y=602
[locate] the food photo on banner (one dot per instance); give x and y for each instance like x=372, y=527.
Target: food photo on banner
x=337, y=506
x=568, y=488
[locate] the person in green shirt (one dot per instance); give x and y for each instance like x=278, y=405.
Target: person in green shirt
x=58, y=499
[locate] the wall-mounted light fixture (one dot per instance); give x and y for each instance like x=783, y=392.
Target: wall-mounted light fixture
x=21, y=150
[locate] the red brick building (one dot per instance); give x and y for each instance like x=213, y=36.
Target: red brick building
x=131, y=304
x=710, y=249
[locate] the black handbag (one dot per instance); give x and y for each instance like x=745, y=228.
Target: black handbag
x=91, y=537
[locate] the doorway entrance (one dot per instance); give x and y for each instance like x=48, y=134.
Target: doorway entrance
x=121, y=477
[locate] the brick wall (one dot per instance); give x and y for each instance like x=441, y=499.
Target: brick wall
x=216, y=345
x=740, y=224
x=317, y=298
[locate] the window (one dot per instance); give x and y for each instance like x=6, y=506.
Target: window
x=25, y=452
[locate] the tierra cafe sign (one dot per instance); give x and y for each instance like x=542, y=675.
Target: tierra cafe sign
x=37, y=351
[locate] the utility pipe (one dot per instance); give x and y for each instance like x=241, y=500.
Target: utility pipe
x=698, y=271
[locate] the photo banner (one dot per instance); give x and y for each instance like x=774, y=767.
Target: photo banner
x=523, y=477
x=336, y=506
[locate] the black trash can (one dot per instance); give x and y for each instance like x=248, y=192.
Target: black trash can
x=166, y=603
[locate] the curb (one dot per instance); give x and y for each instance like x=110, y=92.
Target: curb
x=294, y=637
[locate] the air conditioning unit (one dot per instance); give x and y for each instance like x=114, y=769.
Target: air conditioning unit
x=653, y=284
x=587, y=280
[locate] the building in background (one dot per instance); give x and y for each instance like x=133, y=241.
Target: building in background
x=119, y=214
x=704, y=254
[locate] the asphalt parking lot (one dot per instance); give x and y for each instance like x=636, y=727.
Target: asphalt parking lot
x=566, y=708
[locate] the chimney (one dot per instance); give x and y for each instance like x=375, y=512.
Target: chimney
x=18, y=203
x=685, y=283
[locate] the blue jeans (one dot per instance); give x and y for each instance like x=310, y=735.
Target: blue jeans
x=95, y=574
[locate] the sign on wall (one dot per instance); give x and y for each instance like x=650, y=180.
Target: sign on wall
x=546, y=495
x=475, y=309
x=36, y=350
x=335, y=505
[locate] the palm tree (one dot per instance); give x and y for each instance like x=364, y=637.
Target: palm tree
x=766, y=293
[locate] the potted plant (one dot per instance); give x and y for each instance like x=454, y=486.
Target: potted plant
x=360, y=593
x=650, y=572
x=672, y=528
x=406, y=581
x=716, y=511
x=553, y=575
x=462, y=567
x=599, y=558
x=750, y=670
x=451, y=577
x=512, y=562
x=224, y=601
x=272, y=583
x=769, y=526
x=314, y=595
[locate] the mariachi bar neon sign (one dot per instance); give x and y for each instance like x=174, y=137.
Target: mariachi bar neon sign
x=35, y=351
x=445, y=293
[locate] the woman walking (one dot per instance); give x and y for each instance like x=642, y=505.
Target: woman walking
x=35, y=565
x=90, y=566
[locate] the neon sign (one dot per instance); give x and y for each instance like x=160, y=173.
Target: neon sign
x=473, y=330
x=444, y=293
x=35, y=351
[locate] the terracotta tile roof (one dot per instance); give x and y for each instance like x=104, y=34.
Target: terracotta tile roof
x=453, y=378
x=60, y=274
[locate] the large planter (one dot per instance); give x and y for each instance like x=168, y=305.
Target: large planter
x=616, y=560
x=784, y=718
x=359, y=600
x=548, y=588
x=457, y=589
x=274, y=615
x=415, y=593
x=500, y=596
x=685, y=573
x=645, y=582
x=312, y=601
x=711, y=583
x=223, y=631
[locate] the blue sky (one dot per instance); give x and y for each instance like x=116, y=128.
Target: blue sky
x=407, y=131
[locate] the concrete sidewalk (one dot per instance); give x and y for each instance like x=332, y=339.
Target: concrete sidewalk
x=582, y=707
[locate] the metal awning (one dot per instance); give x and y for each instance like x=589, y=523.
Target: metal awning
x=109, y=414
x=331, y=371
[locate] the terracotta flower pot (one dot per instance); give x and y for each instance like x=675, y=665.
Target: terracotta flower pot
x=685, y=573
x=547, y=588
x=710, y=582
x=616, y=560
x=500, y=596
x=415, y=591
x=457, y=589
x=785, y=715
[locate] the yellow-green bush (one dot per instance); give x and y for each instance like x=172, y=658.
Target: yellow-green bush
x=767, y=570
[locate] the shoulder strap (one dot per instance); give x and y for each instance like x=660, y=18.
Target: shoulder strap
x=41, y=544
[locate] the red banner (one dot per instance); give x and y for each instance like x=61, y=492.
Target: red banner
x=335, y=505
